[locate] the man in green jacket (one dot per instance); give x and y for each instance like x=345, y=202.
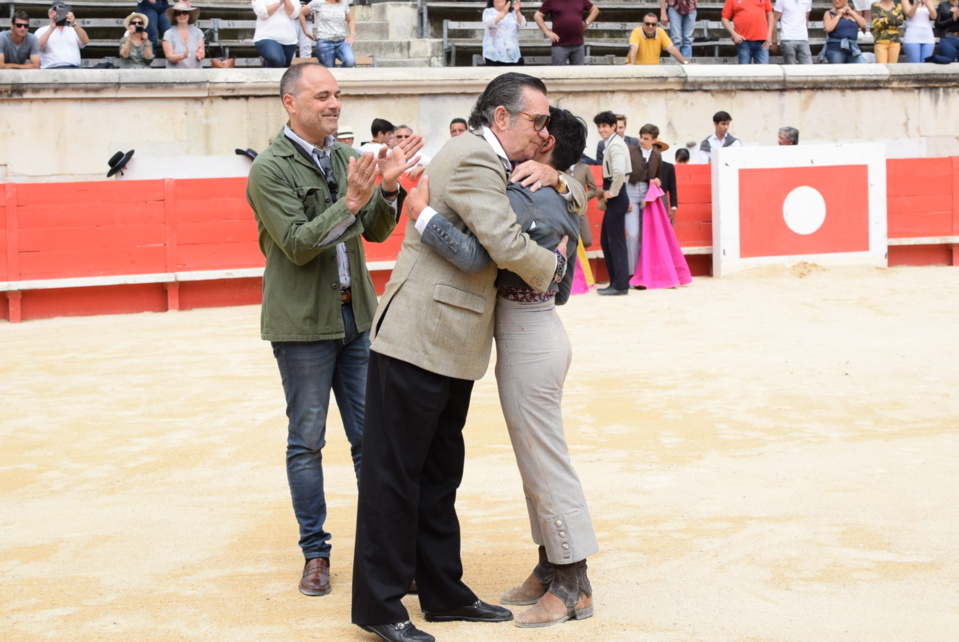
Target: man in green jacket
x=313, y=199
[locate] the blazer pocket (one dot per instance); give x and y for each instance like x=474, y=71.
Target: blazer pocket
x=459, y=298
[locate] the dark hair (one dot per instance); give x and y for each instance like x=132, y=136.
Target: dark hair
x=650, y=14
x=721, y=117
x=381, y=126
x=682, y=154
x=605, y=118
x=506, y=91
x=792, y=134
x=650, y=129
x=570, y=134
x=457, y=120
x=290, y=82
x=621, y=117
x=21, y=15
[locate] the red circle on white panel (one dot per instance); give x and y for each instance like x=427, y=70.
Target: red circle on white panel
x=804, y=210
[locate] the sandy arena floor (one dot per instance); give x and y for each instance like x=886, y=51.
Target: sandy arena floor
x=768, y=456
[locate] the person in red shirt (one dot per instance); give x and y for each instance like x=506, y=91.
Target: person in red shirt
x=569, y=20
x=749, y=22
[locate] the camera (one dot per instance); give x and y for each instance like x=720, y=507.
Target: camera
x=62, y=12
x=141, y=29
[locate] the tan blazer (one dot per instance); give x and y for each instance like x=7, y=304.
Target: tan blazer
x=583, y=173
x=432, y=314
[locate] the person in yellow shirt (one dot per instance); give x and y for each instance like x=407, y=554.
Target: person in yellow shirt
x=648, y=42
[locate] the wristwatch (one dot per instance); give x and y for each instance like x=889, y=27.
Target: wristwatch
x=563, y=186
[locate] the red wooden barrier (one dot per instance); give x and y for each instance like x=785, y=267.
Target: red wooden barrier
x=151, y=233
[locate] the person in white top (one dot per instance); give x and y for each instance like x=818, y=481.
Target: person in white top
x=61, y=41
x=920, y=41
x=334, y=31
x=793, y=19
x=720, y=138
x=275, y=36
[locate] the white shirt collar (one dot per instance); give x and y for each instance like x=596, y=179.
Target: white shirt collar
x=307, y=147
x=497, y=147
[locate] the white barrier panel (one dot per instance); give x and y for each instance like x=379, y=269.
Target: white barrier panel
x=823, y=204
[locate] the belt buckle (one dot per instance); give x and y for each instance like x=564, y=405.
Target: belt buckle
x=346, y=296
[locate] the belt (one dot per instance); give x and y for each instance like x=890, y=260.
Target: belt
x=525, y=295
x=346, y=296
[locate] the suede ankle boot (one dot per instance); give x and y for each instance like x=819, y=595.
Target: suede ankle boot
x=570, y=596
x=535, y=585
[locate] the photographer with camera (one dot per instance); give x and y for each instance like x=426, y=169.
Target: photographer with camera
x=136, y=50
x=61, y=41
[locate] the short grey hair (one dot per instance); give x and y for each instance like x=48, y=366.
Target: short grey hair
x=505, y=91
x=791, y=134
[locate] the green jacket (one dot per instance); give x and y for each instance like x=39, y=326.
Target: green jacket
x=294, y=213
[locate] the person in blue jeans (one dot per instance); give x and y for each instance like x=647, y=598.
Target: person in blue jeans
x=334, y=31
x=275, y=37
x=157, y=22
x=750, y=25
x=842, y=25
x=947, y=22
x=680, y=17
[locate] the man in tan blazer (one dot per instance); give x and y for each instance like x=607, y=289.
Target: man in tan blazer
x=583, y=174
x=433, y=334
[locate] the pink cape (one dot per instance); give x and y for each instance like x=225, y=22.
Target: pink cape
x=661, y=262
x=583, y=280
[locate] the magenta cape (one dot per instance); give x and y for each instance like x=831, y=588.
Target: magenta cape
x=661, y=262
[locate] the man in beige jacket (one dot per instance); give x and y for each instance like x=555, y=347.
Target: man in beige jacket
x=433, y=334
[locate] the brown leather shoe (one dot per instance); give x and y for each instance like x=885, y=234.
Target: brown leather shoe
x=525, y=594
x=551, y=610
x=316, y=577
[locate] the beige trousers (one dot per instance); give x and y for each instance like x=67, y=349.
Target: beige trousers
x=532, y=357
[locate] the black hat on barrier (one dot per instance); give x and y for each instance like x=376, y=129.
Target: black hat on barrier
x=118, y=162
x=249, y=153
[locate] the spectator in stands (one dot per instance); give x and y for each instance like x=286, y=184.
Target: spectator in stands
x=275, y=35
x=863, y=8
x=19, y=49
x=304, y=31
x=842, y=24
x=345, y=135
x=670, y=193
x=648, y=42
x=647, y=164
x=920, y=40
x=682, y=156
x=569, y=20
x=402, y=133
x=616, y=167
x=384, y=135
x=793, y=41
x=60, y=42
x=502, y=19
x=457, y=127
x=788, y=136
x=947, y=22
x=749, y=24
x=157, y=21
x=183, y=45
x=136, y=50
x=621, y=130
x=680, y=17
x=334, y=31
x=720, y=138
x=886, y=20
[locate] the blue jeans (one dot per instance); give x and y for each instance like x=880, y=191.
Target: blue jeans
x=328, y=52
x=949, y=47
x=681, y=30
x=918, y=51
x=841, y=57
x=156, y=15
x=751, y=51
x=309, y=370
x=275, y=54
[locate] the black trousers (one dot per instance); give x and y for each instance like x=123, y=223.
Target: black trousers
x=406, y=522
x=613, y=239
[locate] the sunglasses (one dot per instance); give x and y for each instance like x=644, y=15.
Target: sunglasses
x=181, y=13
x=136, y=22
x=539, y=120
x=402, y=136
x=21, y=25
x=650, y=24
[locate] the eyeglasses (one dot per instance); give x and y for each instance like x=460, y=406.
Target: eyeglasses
x=650, y=24
x=21, y=25
x=136, y=22
x=539, y=120
x=327, y=166
x=181, y=13
x=402, y=136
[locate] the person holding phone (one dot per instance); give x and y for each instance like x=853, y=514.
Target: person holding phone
x=842, y=24
x=502, y=20
x=60, y=42
x=136, y=50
